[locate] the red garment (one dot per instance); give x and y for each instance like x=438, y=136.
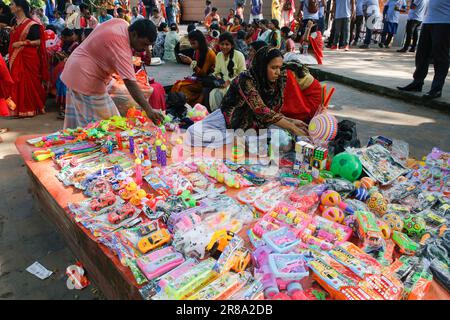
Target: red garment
x=317, y=46
x=5, y=88
x=29, y=69
x=158, y=98
x=301, y=104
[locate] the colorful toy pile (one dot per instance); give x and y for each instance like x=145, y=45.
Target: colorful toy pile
x=353, y=226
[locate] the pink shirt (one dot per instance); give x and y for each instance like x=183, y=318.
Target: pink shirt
x=106, y=51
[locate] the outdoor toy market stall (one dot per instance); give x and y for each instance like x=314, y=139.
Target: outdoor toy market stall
x=147, y=222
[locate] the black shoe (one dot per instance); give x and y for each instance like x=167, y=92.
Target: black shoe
x=380, y=45
x=61, y=115
x=412, y=49
x=364, y=46
x=412, y=87
x=402, y=50
x=432, y=94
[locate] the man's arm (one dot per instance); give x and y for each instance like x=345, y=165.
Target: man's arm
x=138, y=96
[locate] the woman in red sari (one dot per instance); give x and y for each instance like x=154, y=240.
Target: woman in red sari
x=27, y=62
x=5, y=88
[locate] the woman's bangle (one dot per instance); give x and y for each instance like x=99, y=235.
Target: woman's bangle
x=193, y=64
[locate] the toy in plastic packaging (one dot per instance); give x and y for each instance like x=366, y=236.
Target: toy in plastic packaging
x=222, y=288
x=418, y=281
x=282, y=240
x=76, y=278
x=148, y=291
x=95, y=206
x=252, y=290
x=340, y=185
x=234, y=257
x=188, y=278
x=137, y=273
x=159, y=262
x=379, y=164
x=100, y=225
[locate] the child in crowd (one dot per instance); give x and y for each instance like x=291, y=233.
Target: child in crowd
x=391, y=16
x=172, y=38
x=158, y=47
x=287, y=44
x=69, y=44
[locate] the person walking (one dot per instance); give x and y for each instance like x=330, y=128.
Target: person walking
x=434, y=42
x=343, y=12
x=415, y=17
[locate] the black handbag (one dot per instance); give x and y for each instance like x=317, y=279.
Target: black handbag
x=211, y=82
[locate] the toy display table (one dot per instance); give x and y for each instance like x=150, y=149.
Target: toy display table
x=102, y=266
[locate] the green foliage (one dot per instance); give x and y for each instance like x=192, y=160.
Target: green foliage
x=36, y=3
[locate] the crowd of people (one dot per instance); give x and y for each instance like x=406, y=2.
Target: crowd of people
x=50, y=50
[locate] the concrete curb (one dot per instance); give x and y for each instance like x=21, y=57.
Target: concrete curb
x=436, y=104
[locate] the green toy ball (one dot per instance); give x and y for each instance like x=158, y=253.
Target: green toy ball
x=414, y=225
x=347, y=166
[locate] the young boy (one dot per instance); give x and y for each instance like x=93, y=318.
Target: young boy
x=391, y=15
x=158, y=47
x=69, y=44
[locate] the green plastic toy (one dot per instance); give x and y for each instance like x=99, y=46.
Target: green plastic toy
x=347, y=166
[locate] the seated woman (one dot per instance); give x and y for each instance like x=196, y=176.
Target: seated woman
x=253, y=101
x=314, y=41
x=302, y=94
x=158, y=47
x=171, y=40
x=202, y=64
x=229, y=64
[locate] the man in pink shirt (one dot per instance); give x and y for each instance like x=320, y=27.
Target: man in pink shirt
x=88, y=70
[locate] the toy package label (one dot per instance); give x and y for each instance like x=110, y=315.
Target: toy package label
x=388, y=287
x=221, y=288
x=379, y=164
x=361, y=264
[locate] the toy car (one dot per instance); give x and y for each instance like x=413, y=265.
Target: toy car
x=99, y=203
x=154, y=240
x=119, y=215
x=406, y=245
